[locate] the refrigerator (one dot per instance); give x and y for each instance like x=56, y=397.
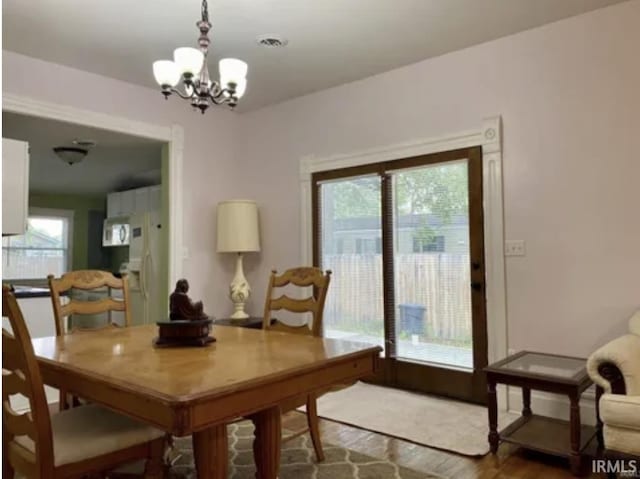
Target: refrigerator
x=144, y=269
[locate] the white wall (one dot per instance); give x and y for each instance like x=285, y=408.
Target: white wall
x=569, y=96
x=209, y=141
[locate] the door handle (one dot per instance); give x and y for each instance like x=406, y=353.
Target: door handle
x=476, y=286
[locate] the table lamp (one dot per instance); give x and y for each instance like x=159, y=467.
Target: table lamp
x=238, y=232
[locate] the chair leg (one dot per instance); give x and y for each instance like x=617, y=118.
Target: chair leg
x=154, y=467
x=314, y=430
x=63, y=402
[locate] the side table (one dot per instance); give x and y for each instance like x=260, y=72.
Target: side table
x=251, y=322
x=543, y=372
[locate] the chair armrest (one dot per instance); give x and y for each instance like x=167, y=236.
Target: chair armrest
x=616, y=365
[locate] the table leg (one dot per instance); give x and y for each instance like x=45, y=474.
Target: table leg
x=266, y=446
x=574, y=458
x=599, y=392
x=492, y=403
x=210, y=451
x=526, y=402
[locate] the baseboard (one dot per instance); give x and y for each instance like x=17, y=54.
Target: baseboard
x=555, y=405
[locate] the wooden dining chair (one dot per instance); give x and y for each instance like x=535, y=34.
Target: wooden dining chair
x=86, y=280
x=311, y=308
x=73, y=443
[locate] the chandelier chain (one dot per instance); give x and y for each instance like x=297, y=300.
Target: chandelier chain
x=205, y=11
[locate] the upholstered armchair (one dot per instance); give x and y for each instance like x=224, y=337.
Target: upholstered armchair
x=615, y=368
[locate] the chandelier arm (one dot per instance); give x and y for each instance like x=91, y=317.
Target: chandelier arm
x=184, y=96
x=220, y=94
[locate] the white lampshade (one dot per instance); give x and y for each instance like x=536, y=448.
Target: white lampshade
x=238, y=230
x=166, y=72
x=232, y=70
x=189, y=60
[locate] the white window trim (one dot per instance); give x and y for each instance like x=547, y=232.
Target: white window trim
x=489, y=136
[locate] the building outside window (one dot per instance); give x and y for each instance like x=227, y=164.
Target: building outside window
x=45, y=248
x=434, y=244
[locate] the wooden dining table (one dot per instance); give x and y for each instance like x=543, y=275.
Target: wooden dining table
x=199, y=390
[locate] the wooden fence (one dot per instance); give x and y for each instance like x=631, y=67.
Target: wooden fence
x=17, y=265
x=437, y=281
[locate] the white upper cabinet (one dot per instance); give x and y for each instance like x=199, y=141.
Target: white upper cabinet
x=155, y=198
x=128, y=202
x=15, y=186
x=140, y=200
x=114, y=205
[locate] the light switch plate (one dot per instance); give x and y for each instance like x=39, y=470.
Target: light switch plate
x=514, y=248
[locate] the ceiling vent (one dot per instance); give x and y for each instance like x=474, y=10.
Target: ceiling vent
x=272, y=41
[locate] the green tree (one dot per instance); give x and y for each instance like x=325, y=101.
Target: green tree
x=436, y=190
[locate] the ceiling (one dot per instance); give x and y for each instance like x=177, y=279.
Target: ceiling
x=116, y=163
x=330, y=41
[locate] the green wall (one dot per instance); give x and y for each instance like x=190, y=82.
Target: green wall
x=81, y=205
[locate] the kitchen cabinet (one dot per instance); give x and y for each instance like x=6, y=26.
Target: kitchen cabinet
x=127, y=202
x=15, y=186
x=121, y=203
x=140, y=200
x=114, y=205
x=155, y=198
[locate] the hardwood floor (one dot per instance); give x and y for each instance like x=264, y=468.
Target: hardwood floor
x=510, y=462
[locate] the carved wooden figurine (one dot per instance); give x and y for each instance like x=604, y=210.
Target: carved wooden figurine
x=181, y=307
x=187, y=325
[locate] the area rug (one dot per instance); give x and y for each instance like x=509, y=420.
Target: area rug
x=297, y=460
x=430, y=421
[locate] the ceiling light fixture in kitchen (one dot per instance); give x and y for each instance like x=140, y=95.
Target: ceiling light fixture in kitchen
x=70, y=154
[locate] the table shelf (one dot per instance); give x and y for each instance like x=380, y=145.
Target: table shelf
x=545, y=434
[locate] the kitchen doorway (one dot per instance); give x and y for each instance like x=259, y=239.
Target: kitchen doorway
x=169, y=196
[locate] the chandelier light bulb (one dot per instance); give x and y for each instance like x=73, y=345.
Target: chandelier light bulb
x=189, y=60
x=166, y=73
x=232, y=70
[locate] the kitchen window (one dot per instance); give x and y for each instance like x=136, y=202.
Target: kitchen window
x=45, y=248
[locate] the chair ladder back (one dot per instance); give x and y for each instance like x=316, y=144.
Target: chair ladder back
x=21, y=375
x=89, y=280
x=301, y=277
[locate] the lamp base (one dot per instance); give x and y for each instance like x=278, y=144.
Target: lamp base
x=239, y=315
x=239, y=291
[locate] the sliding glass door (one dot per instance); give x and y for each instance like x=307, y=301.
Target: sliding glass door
x=404, y=241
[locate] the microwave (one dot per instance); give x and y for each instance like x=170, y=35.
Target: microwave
x=116, y=232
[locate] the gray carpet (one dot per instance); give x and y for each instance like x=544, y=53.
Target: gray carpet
x=297, y=460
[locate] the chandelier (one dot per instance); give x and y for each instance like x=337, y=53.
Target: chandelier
x=190, y=65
